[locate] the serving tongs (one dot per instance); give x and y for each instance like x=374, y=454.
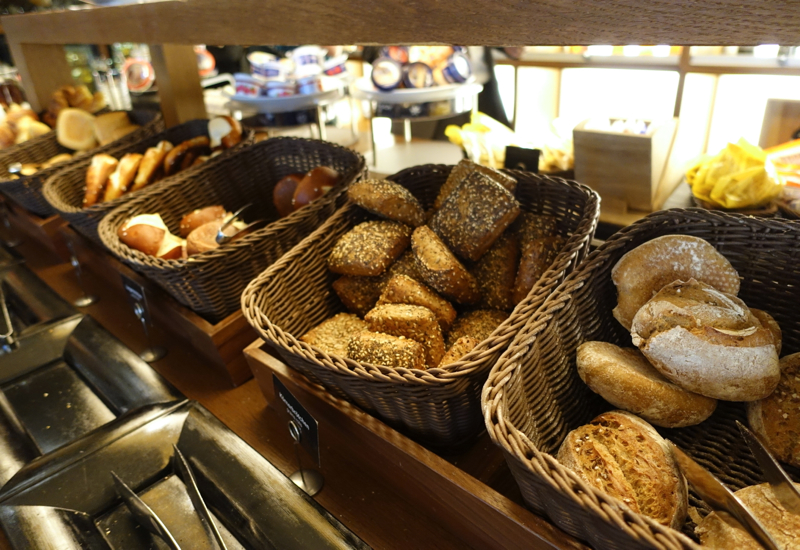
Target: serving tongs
x=722, y=500
x=8, y=338
x=223, y=238
x=197, y=499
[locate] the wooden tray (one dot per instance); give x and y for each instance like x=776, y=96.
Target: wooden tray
x=465, y=491
x=221, y=344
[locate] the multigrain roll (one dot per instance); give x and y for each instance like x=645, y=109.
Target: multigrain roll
x=385, y=349
x=707, y=342
x=478, y=324
x=777, y=417
x=463, y=169
x=402, y=289
x=626, y=379
x=359, y=294
x=529, y=226
x=649, y=267
x=537, y=256
x=496, y=272
x=622, y=455
x=459, y=349
x=369, y=248
x=441, y=270
x=783, y=526
x=387, y=199
x=332, y=335
x=414, y=322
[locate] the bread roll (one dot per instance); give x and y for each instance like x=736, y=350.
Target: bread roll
x=151, y=168
x=144, y=233
x=369, y=248
x=529, y=227
x=707, y=342
x=622, y=455
x=537, y=257
x=57, y=159
x=415, y=322
x=388, y=200
x=196, y=218
x=496, y=272
x=402, y=289
x=75, y=129
x=459, y=349
x=332, y=335
x=627, y=380
x=105, y=124
x=120, y=133
x=283, y=194
x=440, y=269
x=224, y=132
x=359, y=294
x=192, y=147
x=122, y=178
x=478, y=324
x=768, y=322
x=315, y=184
x=777, y=417
x=101, y=167
x=463, y=169
x=646, y=269
x=385, y=349
x=783, y=526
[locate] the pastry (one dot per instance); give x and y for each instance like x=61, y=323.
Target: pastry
x=414, y=322
x=101, y=167
x=388, y=200
x=387, y=350
x=369, y=248
x=75, y=129
x=402, y=289
x=441, y=270
x=121, y=179
x=332, y=335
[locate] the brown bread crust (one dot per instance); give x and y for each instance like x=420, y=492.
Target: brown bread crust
x=402, y=289
x=462, y=170
x=441, y=270
x=385, y=349
x=333, y=335
x=414, y=322
x=387, y=199
x=369, y=248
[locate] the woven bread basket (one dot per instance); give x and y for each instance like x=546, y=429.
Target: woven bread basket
x=437, y=406
x=211, y=283
x=27, y=191
x=64, y=190
x=534, y=396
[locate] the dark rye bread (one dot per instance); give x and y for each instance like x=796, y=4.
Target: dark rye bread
x=414, y=322
x=402, y=289
x=464, y=169
x=332, y=335
x=536, y=257
x=621, y=454
x=369, y=248
x=387, y=350
x=474, y=216
x=441, y=270
x=387, y=199
x=528, y=227
x=777, y=417
x=459, y=349
x=478, y=324
x=496, y=272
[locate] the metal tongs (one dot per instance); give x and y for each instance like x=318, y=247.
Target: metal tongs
x=720, y=499
x=222, y=238
x=148, y=519
x=8, y=337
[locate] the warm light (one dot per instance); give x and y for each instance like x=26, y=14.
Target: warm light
x=631, y=51
x=599, y=51
x=661, y=51
x=766, y=50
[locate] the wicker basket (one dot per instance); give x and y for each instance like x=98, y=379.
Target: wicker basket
x=211, y=283
x=27, y=191
x=437, y=406
x=65, y=190
x=534, y=397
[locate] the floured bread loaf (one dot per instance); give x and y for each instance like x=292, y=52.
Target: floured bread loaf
x=777, y=417
x=622, y=455
x=626, y=379
x=714, y=532
x=707, y=342
x=646, y=269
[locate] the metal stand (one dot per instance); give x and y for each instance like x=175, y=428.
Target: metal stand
x=10, y=240
x=86, y=299
x=309, y=481
x=151, y=353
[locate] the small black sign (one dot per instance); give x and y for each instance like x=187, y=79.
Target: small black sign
x=136, y=297
x=309, y=429
x=519, y=158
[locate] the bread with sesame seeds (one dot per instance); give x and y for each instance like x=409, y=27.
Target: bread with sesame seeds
x=402, y=289
x=474, y=216
x=622, y=455
x=387, y=350
x=388, y=200
x=496, y=272
x=777, y=417
x=414, y=322
x=359, y=294
x=529, y=226
x=536, y=258
x=463, y=169
x=459, y=349
x=369, y=248
x=332, y=335
x=441, y=270
x=478, y=324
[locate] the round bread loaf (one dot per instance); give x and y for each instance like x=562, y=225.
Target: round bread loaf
x=623, y=455
x=768, y=322
x=777, y=417
x=707, y=342
x=646, y=269
x=715, y=532
x=626, y=379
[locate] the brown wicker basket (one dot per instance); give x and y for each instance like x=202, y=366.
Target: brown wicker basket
x=65, y=189
x=437, y=406
x=534, y=397
x=211, y=283
x=27, y=191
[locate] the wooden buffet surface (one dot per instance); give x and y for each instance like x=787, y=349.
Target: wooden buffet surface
x=376, y=510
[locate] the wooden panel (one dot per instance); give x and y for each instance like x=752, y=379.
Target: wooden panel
x=781, y=121
x=43, y=68
x=486, y=22
x=178, y=83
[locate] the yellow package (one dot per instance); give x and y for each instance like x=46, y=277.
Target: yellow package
x=740, y=176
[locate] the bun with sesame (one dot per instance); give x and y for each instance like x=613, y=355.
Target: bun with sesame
x=369, y=248
x=440, y=269
x=387, y=199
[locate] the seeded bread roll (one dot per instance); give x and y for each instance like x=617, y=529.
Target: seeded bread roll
x=623, y=455
x=496, y=271
x=332, y=335
x=459, y=349
x=369, y=248
x=387, y=350
x=716, y=533
x=358, y=294
x=474, y=215
x=402, y=289
x=536, y=258
x=465, y=168
x=528, y=227
x=626, y=379
x=387, y=199
x=777, y=417
x=707, y=342
x=415, y=322
x=478, y=324
x=441, y=270
x=649, y=267
x=768, y=322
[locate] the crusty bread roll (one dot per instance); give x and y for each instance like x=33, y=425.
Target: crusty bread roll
x=646, y=269
x=333, y=335
x=463, y=169
x=783, y=526
x=415, y=322
x=359, y=294
x=283, y=194
x=144, y=233
x=627, y=380
x=75, y=129
x=101, y=167
x=707, y=342
x=496, y=271
x=105, y=124
x=441, y=270
x=537, y=256
x=196, y=218
x=151, y=167
x=122, y=178
x=316, y=183
x=459, y=349
x=622, y=455
x=369, y=248
x=478, y=324
x=385, y=349
x=768, y=322
x=192, y=148
x=224, y=132
x=387, y=199
x=529, y=226
x=402, y=289
x=777, y=417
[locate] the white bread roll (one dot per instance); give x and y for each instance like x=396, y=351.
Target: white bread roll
x=646, y=269
x=623, y=455
x=707, y=342
x=626, y=379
